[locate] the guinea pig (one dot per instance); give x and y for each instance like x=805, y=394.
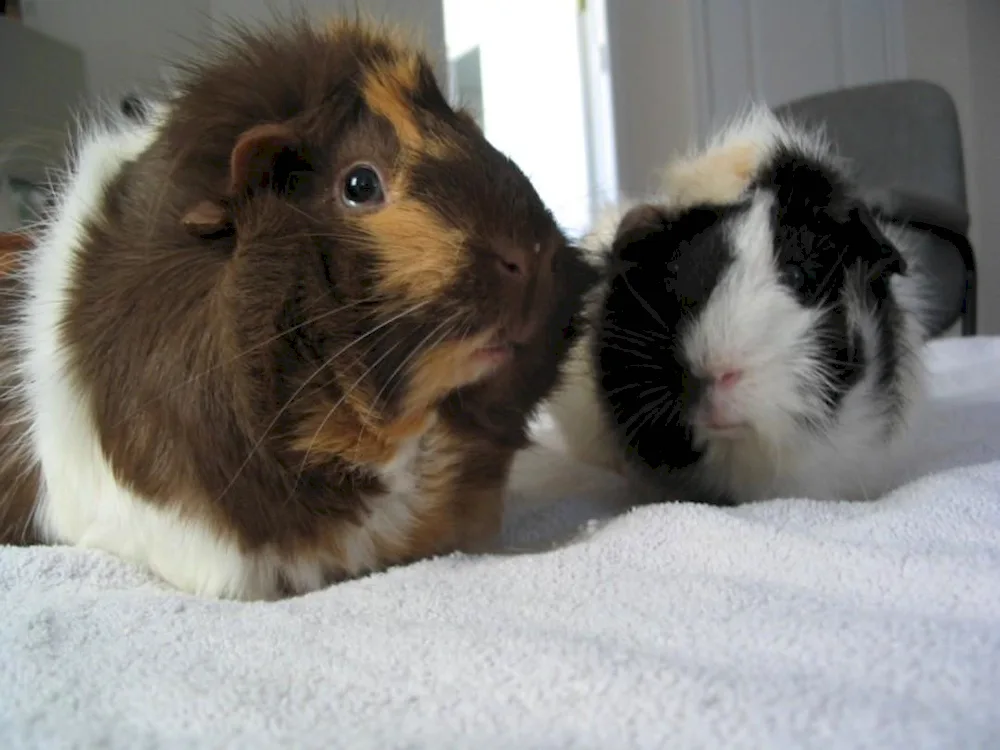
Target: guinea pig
x=757, y=334
x=286, y=328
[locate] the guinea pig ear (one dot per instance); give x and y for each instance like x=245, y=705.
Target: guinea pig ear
x=879, y=254
x=640, y=228
x=637, y=224
x=208, y=219
x=266, y=157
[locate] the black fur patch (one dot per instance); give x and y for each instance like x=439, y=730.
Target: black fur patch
x=663, y=270
x=826, y=241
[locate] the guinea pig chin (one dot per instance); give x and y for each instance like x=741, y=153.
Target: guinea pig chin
x=741, y=401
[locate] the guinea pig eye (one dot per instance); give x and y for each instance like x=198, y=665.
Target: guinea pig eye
x=363, y=187
x=793, y=276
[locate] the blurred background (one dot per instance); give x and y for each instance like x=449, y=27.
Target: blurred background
x=590, y=97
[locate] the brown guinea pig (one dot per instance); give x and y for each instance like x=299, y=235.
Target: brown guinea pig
x=286, y=328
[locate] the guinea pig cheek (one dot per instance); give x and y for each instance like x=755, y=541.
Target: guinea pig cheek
x=451, y=365
x=418, y=255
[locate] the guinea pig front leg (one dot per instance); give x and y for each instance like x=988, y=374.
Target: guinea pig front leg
x=463, y=478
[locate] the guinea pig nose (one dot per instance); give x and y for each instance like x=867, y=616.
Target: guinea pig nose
x=512, y=260
x=728, y=378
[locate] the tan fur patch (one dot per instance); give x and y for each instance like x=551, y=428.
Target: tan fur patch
x=440, y=148
x=334, y=429
x=387, y=90
x=419, y=255
x=443, y=369
x=372, y=30
x=720, y=175
x=350, y=430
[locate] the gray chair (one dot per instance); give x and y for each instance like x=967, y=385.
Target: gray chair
x=905, y=145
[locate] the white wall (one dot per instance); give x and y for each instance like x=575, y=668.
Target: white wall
x=533, y=101
x=126, y=42
x=423, y=18
x=129, y=43
x=599, y=97
x=683, y=67
x=778, y=50
x=655, y=97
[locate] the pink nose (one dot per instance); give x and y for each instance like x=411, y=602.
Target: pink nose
x=728, y=378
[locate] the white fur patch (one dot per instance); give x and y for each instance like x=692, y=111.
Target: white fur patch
x=392, y=516
x=81, y=502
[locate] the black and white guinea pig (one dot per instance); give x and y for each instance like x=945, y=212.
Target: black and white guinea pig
x=757, y=334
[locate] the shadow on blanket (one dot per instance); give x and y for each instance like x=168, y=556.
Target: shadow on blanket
x=554, y=501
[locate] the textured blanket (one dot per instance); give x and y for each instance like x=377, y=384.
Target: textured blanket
x=791, y=623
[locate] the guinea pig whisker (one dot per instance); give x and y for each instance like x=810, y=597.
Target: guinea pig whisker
x=647, y=335
x=250, y=350
x=419, y=349
x=334, y=381
x=670, y=415
x=330, y=412
x=415, y=352
x=624, y=340
x=458, y=391
x=827, y=280
x=630, y=339
x=302, y=212
x=654, y=412
x=643, y=411
x=643, y=366
x=632, y=352
x=338, y=236
x=653, y=415
x=358, y=360
x=305, y=383
x=161, y=194
x=652, y=391
x=641, y=301
x=628, y=387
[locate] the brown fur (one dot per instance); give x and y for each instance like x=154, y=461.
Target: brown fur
x=19, y=475
x=254, y=350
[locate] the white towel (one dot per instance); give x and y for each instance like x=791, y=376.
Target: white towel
x=790, y=623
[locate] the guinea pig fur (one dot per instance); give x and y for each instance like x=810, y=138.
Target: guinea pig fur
x=287, y=327
x=758, y=331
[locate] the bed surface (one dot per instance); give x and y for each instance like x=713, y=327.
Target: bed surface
x=791, y=623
